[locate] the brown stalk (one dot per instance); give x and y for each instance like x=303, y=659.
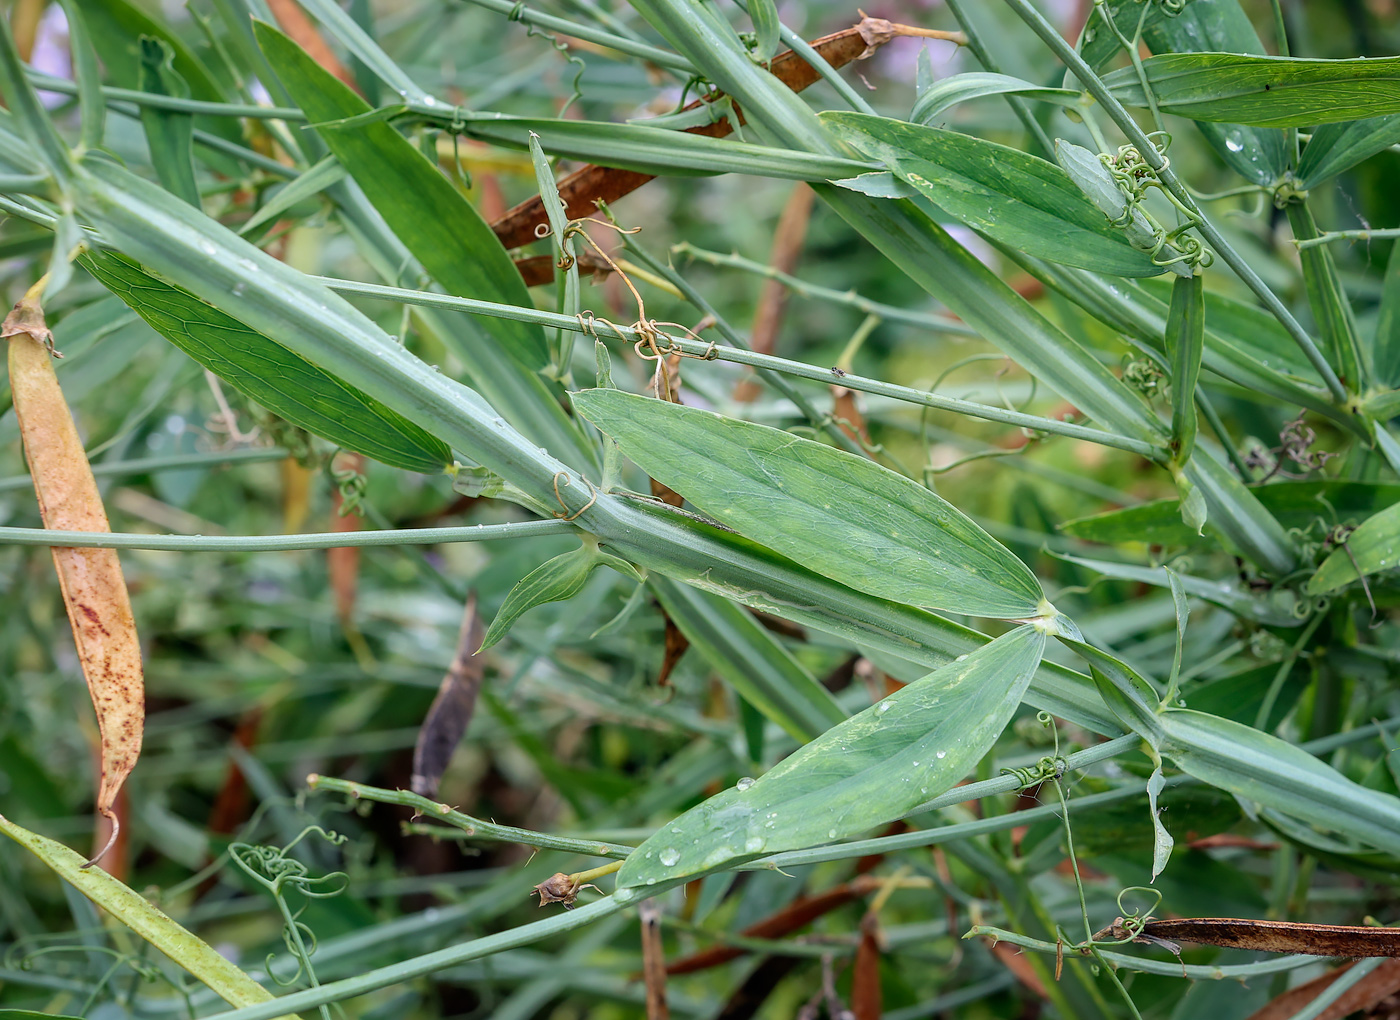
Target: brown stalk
x=1279, y=936
x=94, y=590
x=653, y=960
x=773, y=297
x=583, y=189
x=451, y=711
x=867, y=1000
x=1367, y=993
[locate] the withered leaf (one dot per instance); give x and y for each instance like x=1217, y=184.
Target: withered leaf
x=1279, y=936
x=94, y=590
x=451, y=711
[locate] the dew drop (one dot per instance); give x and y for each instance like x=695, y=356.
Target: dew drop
x=648, y=854
x=960, y=658
x=831, y=834
x=669, y=856
x=239, y=288
x=942, y=754
x=743, y=784
x=624, y=895
x=208, y=248
x=1234, y=144
x=884, y=707
x=753, y=844
x=651, y=881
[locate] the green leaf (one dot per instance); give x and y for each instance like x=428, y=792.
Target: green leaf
x=342, y=26
x=1374, y=546
x=169, y=134
x=554, y=580
x=309, y=183
x=652, y=150
x=749, y=659
x=1026, y=203
x=1259, y=767
x=1279, y=92
x=1335, y=148
x=29, y=1014
x=1327, y=299
x=267, y=372
x=1296, y=505
x=1162, y=841
x=1131, y=698
x=440, y=227
x=959, y=88
x=1385, y=348
x=873, y=768
x=134, y=911
x=1276, y=609
x=91, y=106
x=1237, y=515
x=1185, y=337
x=842, y=515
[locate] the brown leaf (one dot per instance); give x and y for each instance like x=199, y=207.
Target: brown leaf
x=1367, y=993
x=94, y=591
x=583, y=189
x=451, y=711
x=653, y=960
x=676, y=646
x=1279, y=936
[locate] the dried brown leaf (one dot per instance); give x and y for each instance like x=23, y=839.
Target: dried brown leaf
x=653, y=960
x=1367, y=993
x=1279, y=936
x=94, y=590
x=451, y=711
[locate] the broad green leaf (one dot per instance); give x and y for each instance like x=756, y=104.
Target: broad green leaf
x=1021, y=201
x=1385, y=348
x=1259, y=767
x=1261, y=91
x=749, y=659
x=912, y=640
x=1373, y=547
x=554, y=580
x=1131, y=698
x=1297, y=505
x=871, y=769
x=1185, y=336
x=959, y=88
x=1275, y=608
x=1335, y=148
x=652, y=150
x=1327, y=299
x=440, y=227
x=169, y=133
x=134, y=911
x=267, y=372
x=842, y=515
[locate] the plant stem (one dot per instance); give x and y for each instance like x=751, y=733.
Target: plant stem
x=282, y=543
x=151, y=465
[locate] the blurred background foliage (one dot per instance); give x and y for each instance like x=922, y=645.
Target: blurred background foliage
x=264, y=667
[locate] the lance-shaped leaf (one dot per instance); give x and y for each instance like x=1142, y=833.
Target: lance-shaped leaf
x=1026, y=203
x=871, y=769
x=277, y=378
x=554, y=580
x=1130, y=697
x=440, y=227
x=841, y=515
x=1263, y=91
x=749, y=659
x=132, y=909
x=1374, y=546
x=1335, y=148
x=1185, y=336
x=1327, y=298
x=169, y=133
x=959, y=88
x=1385, y=347
x=1259, y=767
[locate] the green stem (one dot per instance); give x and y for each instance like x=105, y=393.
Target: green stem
x=1337, y=989
x=1125, y=962
x=1019, y=106
x=768, y=365
x=890, y=313
x=1120, y=116
x=819, y=64
x=282, y=543
x=473, y=827
x=1329, y=236
x=530, y=16
x=151, y=465
x=63, y=86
